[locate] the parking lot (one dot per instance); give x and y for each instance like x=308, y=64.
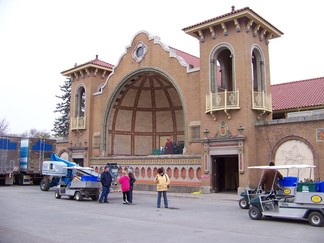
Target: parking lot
x=31, y=215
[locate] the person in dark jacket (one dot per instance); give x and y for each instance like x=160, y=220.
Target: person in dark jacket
x=106, y=180
x=270, y=178
x=131, y=182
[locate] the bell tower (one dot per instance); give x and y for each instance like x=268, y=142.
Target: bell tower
x=234, y=83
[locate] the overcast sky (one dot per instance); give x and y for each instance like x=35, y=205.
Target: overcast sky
x=39, y=39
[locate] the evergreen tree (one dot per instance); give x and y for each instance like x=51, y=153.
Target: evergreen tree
x=62, y=123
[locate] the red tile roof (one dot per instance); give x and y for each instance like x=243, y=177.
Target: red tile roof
x=100, y=63
x=190, y=59
x=298, y=94
x=95, y=62
x=229, y=14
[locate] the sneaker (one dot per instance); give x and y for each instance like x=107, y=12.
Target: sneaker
x=158, y=206
x=166, y=207
x=106, y=202
x=100, y=201
x=124, y=202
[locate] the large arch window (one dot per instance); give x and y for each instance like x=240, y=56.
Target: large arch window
x=261, y=97
x=78, y=120
x=223, y=94
x=258, y=71
x=222, y=71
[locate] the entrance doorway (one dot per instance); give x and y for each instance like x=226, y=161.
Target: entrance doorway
x=225, y=173
x=78, y=161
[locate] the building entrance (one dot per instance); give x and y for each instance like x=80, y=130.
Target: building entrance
x=225, y=173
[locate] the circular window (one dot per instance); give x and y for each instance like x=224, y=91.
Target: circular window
x=140, y=51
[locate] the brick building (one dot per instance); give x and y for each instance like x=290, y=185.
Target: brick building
x=216, y=109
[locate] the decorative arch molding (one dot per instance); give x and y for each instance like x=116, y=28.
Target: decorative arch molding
x=303, y=140
x=117, y=90
x=157, y=41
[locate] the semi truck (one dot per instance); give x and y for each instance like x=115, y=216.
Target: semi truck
x=33, y=152
x=9, y=159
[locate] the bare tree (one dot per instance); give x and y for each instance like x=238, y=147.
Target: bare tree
x=34, y=133
x=4, y=127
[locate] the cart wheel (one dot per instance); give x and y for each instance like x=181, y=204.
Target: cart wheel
x=95, y=198
x=243, y=203
x=316, y=219
x=44, y=185
x=78, y=196
x=255, y=213
x=57, y=194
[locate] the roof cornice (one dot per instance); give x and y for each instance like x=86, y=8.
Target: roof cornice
x=259, y=24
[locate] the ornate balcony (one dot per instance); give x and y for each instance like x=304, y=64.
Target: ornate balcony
x=222, y=101
x=78, y=123
x=261, y=101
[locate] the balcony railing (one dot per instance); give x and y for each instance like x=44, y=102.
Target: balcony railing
x=78, y=123
x=261, y=101
x=227, y=100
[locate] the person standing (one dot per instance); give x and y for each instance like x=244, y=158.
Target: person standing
x=131, y=183
x=125, y=186
x=106, y=180
x=168, y=149
x=162, y=180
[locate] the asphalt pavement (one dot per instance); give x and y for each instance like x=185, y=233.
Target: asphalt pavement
x=28, y=214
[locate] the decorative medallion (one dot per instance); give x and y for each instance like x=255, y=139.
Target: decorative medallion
x=139, y=51
x=223, y=131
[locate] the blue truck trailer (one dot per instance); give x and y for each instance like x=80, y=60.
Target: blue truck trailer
x=9, y=159
x=33, y=152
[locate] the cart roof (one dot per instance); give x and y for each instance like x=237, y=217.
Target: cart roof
x=79, y=168
x=279, y=167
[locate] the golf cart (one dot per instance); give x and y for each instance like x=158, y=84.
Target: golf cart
x=84, y=183
x=295, y=200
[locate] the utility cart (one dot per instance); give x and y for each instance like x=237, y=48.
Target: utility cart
x=295, y=200
x=83, y=183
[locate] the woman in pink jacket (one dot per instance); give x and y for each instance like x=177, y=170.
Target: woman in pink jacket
x=125, y=186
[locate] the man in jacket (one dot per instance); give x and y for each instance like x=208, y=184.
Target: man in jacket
x=106, y=180
x=162, y=180
x=270, y=178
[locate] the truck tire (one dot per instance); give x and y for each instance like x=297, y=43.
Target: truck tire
x=255, y=213
x=44, y=184
x=95, y=197
x=57, y=194
x=78, y=196
x=20, y=179
x=316, y=219
x=243, y=203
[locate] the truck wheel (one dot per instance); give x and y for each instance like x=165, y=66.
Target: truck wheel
x=255, y=213
x=316, y=219
x=57, y=194
x=44, y=185
x=78, y=196
x=243, y=203
x=95, y=198
x=20, y=179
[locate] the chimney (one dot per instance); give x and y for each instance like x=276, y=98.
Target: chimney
x=233, y=8
x=96, y=57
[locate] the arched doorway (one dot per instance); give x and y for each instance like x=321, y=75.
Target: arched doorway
x=145, y=110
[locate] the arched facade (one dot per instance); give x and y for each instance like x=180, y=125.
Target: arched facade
x=216, y=109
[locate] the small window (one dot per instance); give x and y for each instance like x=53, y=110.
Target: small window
x=96, y=140
x=195, y=133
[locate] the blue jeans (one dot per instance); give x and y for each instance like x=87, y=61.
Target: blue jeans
x=104, y=194
x=158, y=204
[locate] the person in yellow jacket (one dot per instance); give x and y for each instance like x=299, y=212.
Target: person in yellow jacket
x=162, y=180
